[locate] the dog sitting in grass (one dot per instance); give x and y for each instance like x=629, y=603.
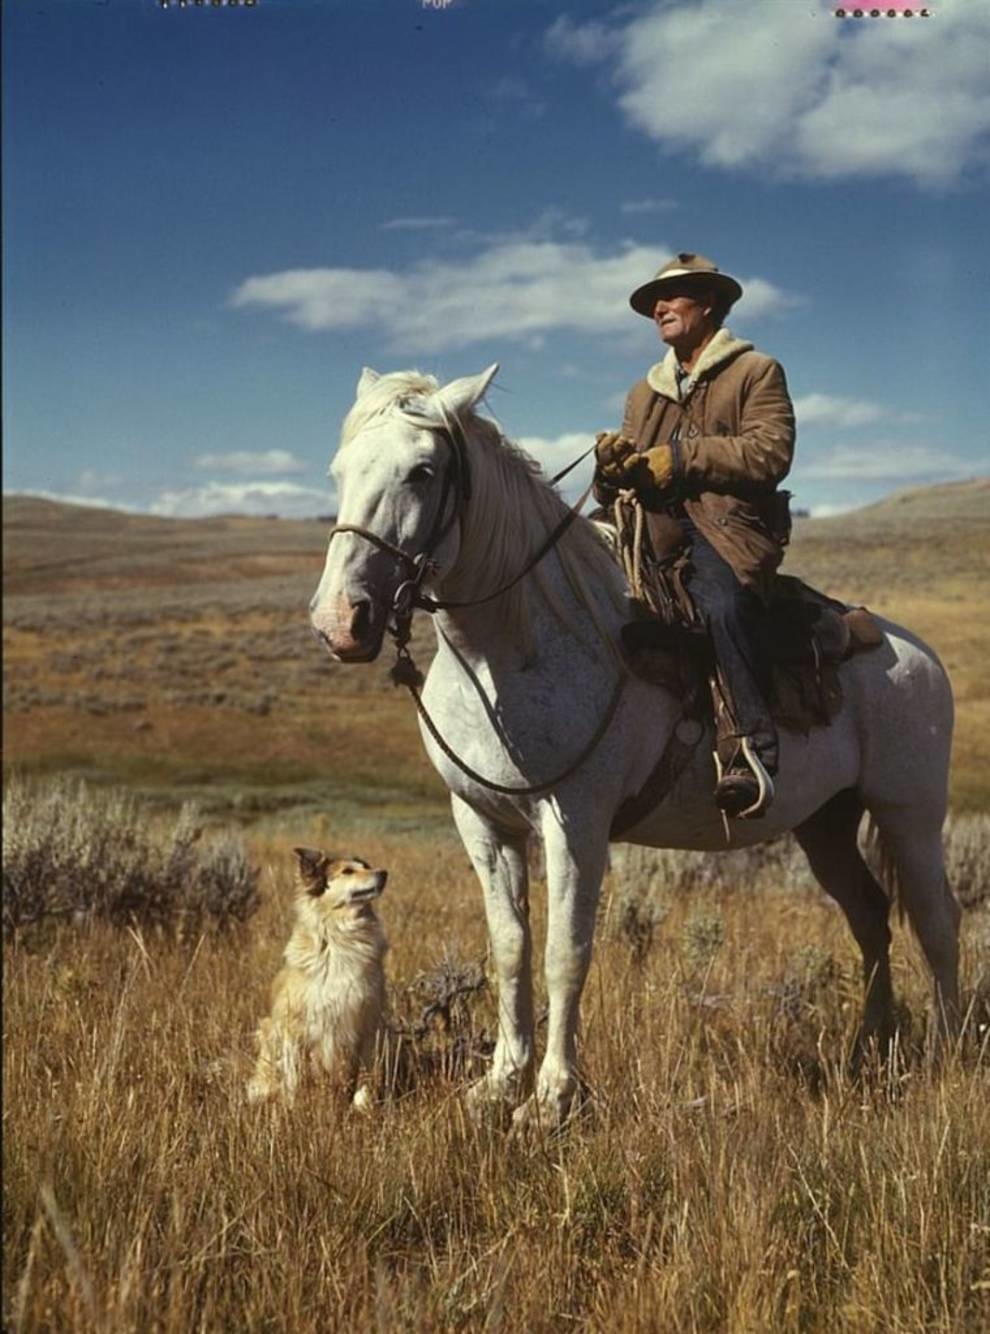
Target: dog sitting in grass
x=328, y=1001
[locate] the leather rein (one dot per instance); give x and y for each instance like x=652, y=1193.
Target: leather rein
x=409, y=597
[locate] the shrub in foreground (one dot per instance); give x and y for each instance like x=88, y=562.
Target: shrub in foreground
x=648, y=876
x=70, y=851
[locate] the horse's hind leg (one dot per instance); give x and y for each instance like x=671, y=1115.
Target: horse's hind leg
x=829, y=841
x=912, y=848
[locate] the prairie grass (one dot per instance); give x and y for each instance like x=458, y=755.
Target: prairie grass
x=724, y=1174
x=175, y=655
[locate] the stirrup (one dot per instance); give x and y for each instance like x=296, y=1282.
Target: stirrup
x=765, y=788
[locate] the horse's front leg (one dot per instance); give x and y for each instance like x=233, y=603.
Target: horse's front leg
x=575, y=857
x=499, y=857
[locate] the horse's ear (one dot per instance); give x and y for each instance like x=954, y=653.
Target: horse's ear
x=462, y=394
x=368, y=378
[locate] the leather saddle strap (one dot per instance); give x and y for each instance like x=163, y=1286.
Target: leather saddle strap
x=671, y=764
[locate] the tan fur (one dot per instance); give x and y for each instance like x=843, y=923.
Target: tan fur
x=328, y=1000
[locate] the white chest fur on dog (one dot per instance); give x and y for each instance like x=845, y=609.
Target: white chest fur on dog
x=328, y=1001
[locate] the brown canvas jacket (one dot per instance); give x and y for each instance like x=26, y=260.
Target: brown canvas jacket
x=733, y=426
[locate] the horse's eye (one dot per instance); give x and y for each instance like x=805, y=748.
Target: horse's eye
x=423, y=472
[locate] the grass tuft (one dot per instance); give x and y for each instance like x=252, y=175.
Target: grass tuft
x=726, y=1173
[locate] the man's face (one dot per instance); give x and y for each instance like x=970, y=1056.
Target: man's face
x=683, y=317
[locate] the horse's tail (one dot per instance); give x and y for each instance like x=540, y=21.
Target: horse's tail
x=881, y=856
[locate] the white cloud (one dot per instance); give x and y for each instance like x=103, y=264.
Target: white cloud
x=827, y=510
x=832, y=410
x=554, y=453
x=580, y=43
x=261, y=463
x=511, y=91
x=66, y=498
x=324, y=298
x=887, y=461
x=792, y=89
x=287, y=499
x=637, y=206
x=518, y=289
x=416, y=224
x=92, y=479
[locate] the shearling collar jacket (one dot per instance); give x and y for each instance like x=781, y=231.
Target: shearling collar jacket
x=664, y=377
x=731, y=422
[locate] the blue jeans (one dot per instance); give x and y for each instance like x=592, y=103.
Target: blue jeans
x=734, y=617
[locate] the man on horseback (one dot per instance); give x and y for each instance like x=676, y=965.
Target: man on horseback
x=705, y=440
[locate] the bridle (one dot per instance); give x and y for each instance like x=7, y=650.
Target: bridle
x=408, y=597
x=457, y=481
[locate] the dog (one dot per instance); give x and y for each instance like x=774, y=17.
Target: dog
x=328, y=1001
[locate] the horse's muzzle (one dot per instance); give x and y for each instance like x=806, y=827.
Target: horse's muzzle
x=350, y=631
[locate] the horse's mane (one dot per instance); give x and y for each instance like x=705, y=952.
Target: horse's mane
x=512, y=507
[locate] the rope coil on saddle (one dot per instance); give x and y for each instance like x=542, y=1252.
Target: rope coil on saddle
x=654, y=585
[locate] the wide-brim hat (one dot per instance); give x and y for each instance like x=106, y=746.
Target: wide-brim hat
x=684, y=268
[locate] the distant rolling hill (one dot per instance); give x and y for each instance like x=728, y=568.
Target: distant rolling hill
x=48, y=545
x=915, y=534
x=175, y=653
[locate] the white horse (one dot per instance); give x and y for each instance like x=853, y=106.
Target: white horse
x=528, y=688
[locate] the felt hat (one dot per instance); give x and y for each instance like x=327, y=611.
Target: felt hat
x=684, y=268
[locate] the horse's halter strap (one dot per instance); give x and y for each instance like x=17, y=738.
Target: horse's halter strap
x=456, y=479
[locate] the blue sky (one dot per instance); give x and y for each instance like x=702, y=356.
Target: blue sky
x=214, y=217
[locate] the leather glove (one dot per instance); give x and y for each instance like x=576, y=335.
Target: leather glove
x=651, y=473
x=612, y=450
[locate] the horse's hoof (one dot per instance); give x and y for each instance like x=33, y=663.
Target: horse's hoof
x=538, y=1119
x=488, y=1106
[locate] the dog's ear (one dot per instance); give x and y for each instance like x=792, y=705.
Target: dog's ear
x=312, y=864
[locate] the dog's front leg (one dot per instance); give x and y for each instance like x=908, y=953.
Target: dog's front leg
x=362, y=1096
x=277, y=1070
x=264, y=1082
x=499, y=857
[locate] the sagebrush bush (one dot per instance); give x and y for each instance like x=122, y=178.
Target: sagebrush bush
x=967, y=856
x=644, y=876
x=72, y=851
x=651, y=872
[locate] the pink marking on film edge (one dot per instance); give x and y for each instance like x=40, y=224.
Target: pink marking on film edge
x=885, y=11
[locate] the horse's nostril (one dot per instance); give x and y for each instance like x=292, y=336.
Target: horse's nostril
x=360, y=619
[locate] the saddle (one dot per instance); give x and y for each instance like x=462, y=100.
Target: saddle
x=807, y=634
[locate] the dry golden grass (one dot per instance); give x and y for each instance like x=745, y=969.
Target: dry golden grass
x=726, y=1175
x=175, y=655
